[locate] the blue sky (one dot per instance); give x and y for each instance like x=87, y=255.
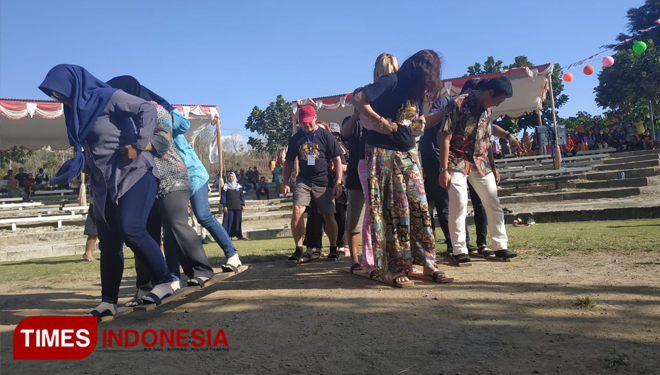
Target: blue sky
x=238, y=54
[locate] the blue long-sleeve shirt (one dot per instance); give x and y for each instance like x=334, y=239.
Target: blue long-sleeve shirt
x=198, y=174
x=126, y=120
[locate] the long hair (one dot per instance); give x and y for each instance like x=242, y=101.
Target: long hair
x=385, y=64
x=420, y=74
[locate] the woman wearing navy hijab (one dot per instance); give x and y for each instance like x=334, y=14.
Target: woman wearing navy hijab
x=124, y=180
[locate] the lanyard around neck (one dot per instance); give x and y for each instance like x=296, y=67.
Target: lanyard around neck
x=313, y=136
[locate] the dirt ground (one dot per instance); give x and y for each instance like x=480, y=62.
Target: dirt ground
x=497, y=318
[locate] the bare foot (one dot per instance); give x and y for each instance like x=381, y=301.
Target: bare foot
x=89, y=257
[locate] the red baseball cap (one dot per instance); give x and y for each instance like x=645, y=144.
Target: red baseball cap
x=306, y=113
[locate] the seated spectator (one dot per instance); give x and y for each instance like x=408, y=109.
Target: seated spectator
x=13, y=187
x=216, y=184
x=243, y=180
x=262, y=188
x=28, y=184
x=506, y=150
x=647, y=141
x=497, y=150
x=602, y=144
x=41, y=179
x=635, y=142
x=21, y=176
x=569, y=147
x=618, y=138
x=9, y=173
x=255, y=179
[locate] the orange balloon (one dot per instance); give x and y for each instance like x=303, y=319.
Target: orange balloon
x=568, y=77
x=588, y=70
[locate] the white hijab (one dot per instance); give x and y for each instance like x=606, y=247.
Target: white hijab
x=234, y=185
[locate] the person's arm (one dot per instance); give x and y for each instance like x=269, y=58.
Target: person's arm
x=336, y=161
x=348, y=128
x=443, y=145
x=161, y=140
x=242, y=201
x=491, y=159
x=501, y=133
x=142, y=112
x=434, y=119
x=286, y=176
x=377, y=122
x=180, y=124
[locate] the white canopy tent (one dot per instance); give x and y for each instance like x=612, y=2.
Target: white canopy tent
x=530, y=88
x=34, y=124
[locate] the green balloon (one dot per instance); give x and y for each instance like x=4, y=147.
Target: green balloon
x=639, y=47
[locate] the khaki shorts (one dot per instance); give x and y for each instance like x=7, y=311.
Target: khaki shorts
x=323, y=197
x=355, y=211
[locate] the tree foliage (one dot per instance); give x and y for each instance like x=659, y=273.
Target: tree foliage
x=583, y=118
x=530, y=119
x=273, y=125
x=631, y=82
x=16, y=155
x=639, y=19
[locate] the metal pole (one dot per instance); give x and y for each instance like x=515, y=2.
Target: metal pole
x=218, y=134
x=652, y=122
x=554, y=120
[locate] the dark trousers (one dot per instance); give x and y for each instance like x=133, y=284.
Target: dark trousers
x=180, y=241
x=438, y=197
x=266, y=193
x=480, y=219
x=126, y=222
x=314, y=226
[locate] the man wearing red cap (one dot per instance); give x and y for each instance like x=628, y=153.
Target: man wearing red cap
x=314, y=147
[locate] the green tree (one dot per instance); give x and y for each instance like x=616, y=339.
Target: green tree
x=16, y=155
x=639, y=19
x=490, y=66
x=273, y=124
x=583, y=118
x=627, y=87
x=529, y=120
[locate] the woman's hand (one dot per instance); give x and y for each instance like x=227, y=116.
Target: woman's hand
x=242, y=208
x=128, y=152
x=224, y=209
x=496, y=174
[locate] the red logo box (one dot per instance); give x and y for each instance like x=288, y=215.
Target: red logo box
x=55, y=337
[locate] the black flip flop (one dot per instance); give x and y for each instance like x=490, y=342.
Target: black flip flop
x=99, y=315
x=197, y=281
x=229, y=268
x=333, y=256
x=294, y=259
x=355, y=266
x=154, y=299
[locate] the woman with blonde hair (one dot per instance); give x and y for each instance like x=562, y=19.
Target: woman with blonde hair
x=356, y=181
x=385, y=64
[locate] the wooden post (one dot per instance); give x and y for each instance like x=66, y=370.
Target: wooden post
x=218, y=134
x=554, y=120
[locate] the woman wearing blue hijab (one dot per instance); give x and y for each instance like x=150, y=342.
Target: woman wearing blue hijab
x=114, y=128
x=199, y=177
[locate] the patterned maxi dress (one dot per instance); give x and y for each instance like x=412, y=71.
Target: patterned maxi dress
x=400, y=221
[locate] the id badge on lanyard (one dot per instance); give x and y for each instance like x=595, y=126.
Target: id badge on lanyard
x=311, y=158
